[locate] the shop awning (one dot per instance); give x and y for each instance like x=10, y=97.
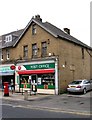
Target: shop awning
x=36, y=71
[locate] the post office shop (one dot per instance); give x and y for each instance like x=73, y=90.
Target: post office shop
x=41, y=74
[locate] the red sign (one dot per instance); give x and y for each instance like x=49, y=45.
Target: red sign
x=19, y=67
x=12, y=67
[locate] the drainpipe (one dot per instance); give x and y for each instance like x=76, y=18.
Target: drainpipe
x=56, y=76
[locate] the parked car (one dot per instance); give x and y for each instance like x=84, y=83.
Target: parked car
x=80, y=86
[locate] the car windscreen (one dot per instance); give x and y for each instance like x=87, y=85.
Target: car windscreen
x=76, y=82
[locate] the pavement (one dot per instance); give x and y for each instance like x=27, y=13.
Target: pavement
x=67, y=103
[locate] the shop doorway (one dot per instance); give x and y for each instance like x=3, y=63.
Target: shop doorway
x=8, y=79
x=34, y=83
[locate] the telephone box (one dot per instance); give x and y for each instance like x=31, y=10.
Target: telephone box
x=6, y=89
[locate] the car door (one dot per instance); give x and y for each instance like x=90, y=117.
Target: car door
x=90, y=84
x=87, y=84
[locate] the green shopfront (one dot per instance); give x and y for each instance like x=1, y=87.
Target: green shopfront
x=42, y=74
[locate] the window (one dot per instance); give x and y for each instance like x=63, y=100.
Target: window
x=34, y=50
x=86, y=82
x=1, y=55
x=8, y=38
x=33, y=29
x=26, y=51
x=7, y=54
x=44, y=49
x=82, y=53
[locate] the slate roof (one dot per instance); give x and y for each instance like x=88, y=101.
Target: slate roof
x=56, y=32
x=53, y=30
x=15, y=36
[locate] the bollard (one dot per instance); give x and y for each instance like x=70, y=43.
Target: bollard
x=25, y=95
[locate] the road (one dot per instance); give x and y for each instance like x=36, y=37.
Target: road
x=11, y=111
x=46, y=106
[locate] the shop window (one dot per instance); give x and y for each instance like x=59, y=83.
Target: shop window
x=44, y=49
x=26, y=51
x=46, y=79
x=34, y=50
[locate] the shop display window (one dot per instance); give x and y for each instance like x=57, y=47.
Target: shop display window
x=46, y=79
x=24, y=81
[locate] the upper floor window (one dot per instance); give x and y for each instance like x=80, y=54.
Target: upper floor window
x=7, y=54
x=82, y=49
x=44, y=49
x=1, y=55
x=34, y=50
x=8, y=38
x=33, y=29
x=26, y=51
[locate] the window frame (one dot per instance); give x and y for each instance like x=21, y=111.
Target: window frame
x=8, y=38
x=34, y=50
x=25, y=51
x=44, y=49
x=1, y=55
x=34, y=30
x=7, y=54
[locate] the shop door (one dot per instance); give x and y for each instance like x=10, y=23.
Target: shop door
x=34, y=82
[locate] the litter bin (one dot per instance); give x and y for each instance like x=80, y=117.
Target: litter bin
x=6, y=89
x=25, y=94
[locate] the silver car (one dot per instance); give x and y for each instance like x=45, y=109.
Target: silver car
x=80, y=86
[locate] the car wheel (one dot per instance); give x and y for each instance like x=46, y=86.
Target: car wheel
x=84, y=91
x=69, y=92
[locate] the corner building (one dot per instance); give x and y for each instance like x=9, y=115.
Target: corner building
x=49, y=58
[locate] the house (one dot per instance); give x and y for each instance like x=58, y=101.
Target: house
x=48, y=58
x=6, y=44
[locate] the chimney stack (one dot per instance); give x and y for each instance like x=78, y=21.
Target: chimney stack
x=67, y=30
x=37, y=17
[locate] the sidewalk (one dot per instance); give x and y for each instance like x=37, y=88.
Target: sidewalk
x=77, y=104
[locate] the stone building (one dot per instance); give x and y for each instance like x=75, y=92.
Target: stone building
x=47, y=58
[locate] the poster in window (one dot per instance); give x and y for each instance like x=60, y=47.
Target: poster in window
x=39, y=81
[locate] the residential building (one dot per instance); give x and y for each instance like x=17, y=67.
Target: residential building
x=6, y=60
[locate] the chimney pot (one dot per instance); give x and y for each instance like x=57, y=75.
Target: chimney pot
x=37, y=17
x=67, y=30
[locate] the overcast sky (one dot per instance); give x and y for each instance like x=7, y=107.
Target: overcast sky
x=73, y=14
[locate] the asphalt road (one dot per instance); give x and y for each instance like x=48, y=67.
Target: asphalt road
x=11, y=111
x=61, y=106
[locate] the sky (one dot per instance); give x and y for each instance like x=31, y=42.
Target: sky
x=72, y=14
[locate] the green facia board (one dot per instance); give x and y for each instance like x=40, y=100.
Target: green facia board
x=40, y=66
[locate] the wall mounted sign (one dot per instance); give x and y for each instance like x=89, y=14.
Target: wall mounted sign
x=40, y=66
x=6, y=70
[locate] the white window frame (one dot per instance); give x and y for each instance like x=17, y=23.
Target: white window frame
x=8, y=38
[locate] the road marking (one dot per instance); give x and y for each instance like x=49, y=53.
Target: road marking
x=48, y=109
